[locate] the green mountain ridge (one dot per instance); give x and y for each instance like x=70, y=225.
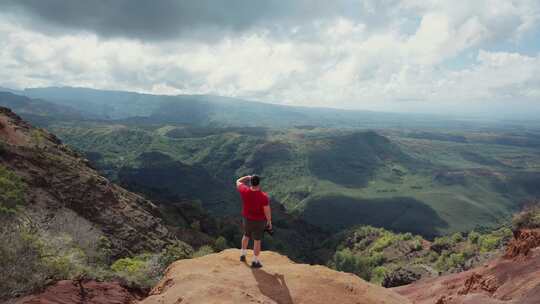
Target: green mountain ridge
x=426, y=181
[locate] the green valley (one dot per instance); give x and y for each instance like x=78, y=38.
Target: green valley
x=333, y=169
x=331, y=178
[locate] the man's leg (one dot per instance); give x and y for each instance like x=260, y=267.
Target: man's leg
x=256, y=249
x=257, y=235
x=245, y=242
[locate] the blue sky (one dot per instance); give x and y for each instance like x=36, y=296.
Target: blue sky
x=459, y=57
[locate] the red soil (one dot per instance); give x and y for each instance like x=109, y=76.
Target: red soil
x=90, y=292
x=511, y=279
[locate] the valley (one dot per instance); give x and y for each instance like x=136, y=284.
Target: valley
x=426, y=178
x=332, y=178
x=391, y=206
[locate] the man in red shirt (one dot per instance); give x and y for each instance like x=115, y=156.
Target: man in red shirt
x=256, y=215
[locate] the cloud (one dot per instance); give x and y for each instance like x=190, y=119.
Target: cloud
x=158, y=20
x=382, y=55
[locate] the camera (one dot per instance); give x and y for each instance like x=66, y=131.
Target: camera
x=269, y=230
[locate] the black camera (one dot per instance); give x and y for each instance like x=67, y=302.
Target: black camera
x=269, y=230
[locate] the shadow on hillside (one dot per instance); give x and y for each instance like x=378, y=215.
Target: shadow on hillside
x=273, y=286
x=401, y=214
x=352, y=160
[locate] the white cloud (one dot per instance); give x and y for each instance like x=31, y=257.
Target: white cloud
x=338, y=62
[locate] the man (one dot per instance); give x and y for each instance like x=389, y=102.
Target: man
x=256, y=215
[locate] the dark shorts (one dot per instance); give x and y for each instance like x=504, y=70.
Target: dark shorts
x=253, y=229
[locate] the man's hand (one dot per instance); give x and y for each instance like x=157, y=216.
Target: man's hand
x=243, y=180
x=268, y=215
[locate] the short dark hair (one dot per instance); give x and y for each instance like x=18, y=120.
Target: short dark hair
x=255, y=180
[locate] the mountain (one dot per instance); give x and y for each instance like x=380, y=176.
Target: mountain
x=63, y=220
x=60, y=218
x=63, y=191
x=40, y=112
x=453, y=180
x=210, y=110
x=63, y=188
x=221, y=278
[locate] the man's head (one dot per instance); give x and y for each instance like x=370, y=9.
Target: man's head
x=255, y=181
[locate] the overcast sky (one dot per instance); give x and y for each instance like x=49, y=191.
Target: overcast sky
x=393, y=55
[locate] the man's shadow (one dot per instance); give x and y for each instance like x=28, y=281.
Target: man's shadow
x=273, y=286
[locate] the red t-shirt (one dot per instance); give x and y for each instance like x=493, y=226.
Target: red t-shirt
x=253, y=203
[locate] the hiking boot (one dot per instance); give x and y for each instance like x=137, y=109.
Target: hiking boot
x=256, y=264
x=242, y=258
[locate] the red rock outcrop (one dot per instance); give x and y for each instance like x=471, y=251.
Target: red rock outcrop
x=523, y=242
x=222, y=278
x=88, y=292
x=511, y=279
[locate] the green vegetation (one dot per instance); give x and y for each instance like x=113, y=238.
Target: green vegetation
x=345, y=260
x=374, y=253
x=220, y=244
x=453, y=252
x=331, y=178
x=141, y=271
x=31, y=258
x=202, y=251
x=38, y=137
x=174, y=252
x=12, y=191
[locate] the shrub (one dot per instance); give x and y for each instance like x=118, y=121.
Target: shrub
x=178, y=250
x=12, y=191
x=345, y=260
x=494, y=240
x=104, y=250
x=457, y=237
x=20, y=263
x=221, y=244
x=378, y=274
x=38, y=137
x=432, y=256
x=143, y=271
x=384, y=241
x=488, y=243
x=63, y=257
x=29, y=262
x=442, y=261
x=440, y=244
x=363, y=266
x=474, y=237
x=407, y=236
x=202, y=251
x=416, y=245
x=455, y=260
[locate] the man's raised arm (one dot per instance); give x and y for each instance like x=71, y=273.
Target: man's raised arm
x=242, y=180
